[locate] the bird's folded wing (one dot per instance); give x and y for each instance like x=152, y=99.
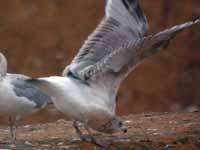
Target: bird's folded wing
x=23, y=88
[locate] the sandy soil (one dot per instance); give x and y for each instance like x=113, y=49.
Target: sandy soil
x=164, y=131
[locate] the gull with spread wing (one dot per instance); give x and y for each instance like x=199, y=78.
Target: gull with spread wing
x=87, y=90
x=18, y=98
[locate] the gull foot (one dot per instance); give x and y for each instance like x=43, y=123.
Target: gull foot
x=75, y=141
x=84, y=138
x=91, y=139
x=102, y=143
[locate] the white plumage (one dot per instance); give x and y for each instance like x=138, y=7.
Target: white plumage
x=87, y=91
x=18, y=98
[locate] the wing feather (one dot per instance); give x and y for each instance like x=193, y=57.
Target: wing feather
x=124, y=21
x=124, y=59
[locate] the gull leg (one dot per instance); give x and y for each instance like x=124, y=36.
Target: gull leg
x=94, y=140
x=89, y=137
x=12, y=128
x=78, y=131
x=82, y=137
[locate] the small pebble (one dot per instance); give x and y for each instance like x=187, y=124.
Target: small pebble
x=28, y=143
x=27, y=126
x=156, y=133
x=60, y=143
x=152, y=129
x=127, y=121
x=66, y=147
x=12, y=146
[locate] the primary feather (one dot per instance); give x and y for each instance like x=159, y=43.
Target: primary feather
x=118, y=44
x=119, y=26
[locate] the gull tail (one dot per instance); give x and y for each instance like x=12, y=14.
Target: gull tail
x=153, y=43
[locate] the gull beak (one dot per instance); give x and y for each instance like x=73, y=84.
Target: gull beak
x=124, y=130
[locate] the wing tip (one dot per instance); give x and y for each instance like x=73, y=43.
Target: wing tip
x=196, y=20
x=130, y=13
x=192, y=22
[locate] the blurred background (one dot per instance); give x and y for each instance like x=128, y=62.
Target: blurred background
x=40, y=37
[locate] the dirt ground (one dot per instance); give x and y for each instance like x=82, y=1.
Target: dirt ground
x=152, y=131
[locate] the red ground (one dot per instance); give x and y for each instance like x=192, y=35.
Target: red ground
x=166, y=131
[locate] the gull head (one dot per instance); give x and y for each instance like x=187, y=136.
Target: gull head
x=3, y=65
x=112, y=126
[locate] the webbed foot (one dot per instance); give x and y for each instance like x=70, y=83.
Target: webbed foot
x=98, y=142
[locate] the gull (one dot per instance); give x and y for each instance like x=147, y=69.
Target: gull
x=18, y=98
x=86, y=91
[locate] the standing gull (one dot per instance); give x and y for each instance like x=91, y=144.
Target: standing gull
x=87, y=91
x=18, y=98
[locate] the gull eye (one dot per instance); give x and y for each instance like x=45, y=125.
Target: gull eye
x=120, y=124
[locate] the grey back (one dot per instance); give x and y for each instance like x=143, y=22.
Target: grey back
x=24, y=89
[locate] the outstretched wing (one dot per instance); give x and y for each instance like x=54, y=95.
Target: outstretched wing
x=123, y=60
x=117, y=45
x=124, y=22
